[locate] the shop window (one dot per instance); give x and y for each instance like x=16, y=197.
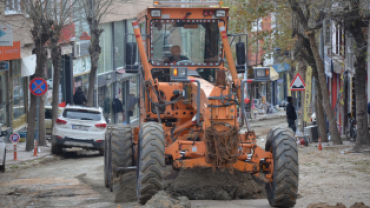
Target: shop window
x=105, y=102
x=106, y=43
x=134, y=94
x=119, y=44
x=18, y=90
x=3, y=93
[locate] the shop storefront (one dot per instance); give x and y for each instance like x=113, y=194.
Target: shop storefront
x=13, y=89
x=117, y=96
x=281, y=84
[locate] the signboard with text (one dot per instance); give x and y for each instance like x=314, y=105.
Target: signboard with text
x=6, y=34
x=10, y=52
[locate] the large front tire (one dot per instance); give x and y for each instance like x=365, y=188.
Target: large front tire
x=151, y=161
x=283, y=190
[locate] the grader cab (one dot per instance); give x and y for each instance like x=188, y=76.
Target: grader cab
x=188, y=107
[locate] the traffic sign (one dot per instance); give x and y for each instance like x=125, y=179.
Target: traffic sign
x=15, y=138
x=38, y=86
x=297, y=83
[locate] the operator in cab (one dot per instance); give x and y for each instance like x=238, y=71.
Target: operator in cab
x=175, y=55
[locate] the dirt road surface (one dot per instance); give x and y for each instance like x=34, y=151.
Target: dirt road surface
x=76, y=180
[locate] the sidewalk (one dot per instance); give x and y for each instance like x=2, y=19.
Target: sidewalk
x=260, y=117
x=24, y=156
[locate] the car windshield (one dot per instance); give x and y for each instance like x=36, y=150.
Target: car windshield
x=185, y=42
x=82, y=114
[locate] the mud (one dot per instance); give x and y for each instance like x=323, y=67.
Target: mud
x=164, y=200
x=338, y=205
x=199, y=184
x=359, y=205
x=323, y=205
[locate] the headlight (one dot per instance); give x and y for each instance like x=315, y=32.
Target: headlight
x=182, y=72
x=220, y=13
x=155, y=13
x=179, y=74
x=260, y=73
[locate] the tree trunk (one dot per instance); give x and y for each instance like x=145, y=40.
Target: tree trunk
x=94, y=50
x=320, y=119
x=326, y=101
x=302, y=71
x=55, y=55
x=363, y=137
x=39, y=40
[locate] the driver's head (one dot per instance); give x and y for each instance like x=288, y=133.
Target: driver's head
x=175, y=50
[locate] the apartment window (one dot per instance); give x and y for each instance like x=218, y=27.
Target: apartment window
x=13, y=7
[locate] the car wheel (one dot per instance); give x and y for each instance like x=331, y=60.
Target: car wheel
x=56, y=149
x=2, y=167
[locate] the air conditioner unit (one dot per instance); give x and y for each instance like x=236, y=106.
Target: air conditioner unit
x=76, y=49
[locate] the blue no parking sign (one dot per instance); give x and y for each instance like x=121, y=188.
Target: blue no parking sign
x=15, y=138
x=38, y=86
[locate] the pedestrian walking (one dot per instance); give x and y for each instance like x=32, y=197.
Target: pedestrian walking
x=79, y=97
x=291, y=115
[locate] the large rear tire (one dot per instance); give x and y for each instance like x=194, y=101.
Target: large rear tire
x=119, y=152
x=151, y=161
x=283, y=190
x=106, y=157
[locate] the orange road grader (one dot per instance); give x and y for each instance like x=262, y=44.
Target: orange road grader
x=189, y=107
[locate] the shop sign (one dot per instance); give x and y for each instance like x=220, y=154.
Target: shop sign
x=10, y=52
x=6, y=34
x=4, y=65
x=282, y=67
x=81, y=65
x=307, y=100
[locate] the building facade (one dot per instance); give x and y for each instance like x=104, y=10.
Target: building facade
x=15, y=46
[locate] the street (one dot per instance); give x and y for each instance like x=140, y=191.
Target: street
x=76, y=180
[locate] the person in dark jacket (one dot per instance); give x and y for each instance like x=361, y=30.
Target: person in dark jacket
x=368, y=108
x=291, y=115
x=79, y=97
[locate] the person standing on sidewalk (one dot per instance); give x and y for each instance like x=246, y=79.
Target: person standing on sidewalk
x=291, y=115
x=79, y=97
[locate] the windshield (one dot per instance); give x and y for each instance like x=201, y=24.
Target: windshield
x=82, y=114
x=185, y=42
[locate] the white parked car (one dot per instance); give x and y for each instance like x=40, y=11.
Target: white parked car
x=2, y=152
x=79, y=126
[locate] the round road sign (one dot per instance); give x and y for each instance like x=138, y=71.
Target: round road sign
x=38, y=86
x=15, y=138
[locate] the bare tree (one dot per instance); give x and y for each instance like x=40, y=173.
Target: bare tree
x=309, y=16
x=354, y=15
x=94, y=10
x=48, y=17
